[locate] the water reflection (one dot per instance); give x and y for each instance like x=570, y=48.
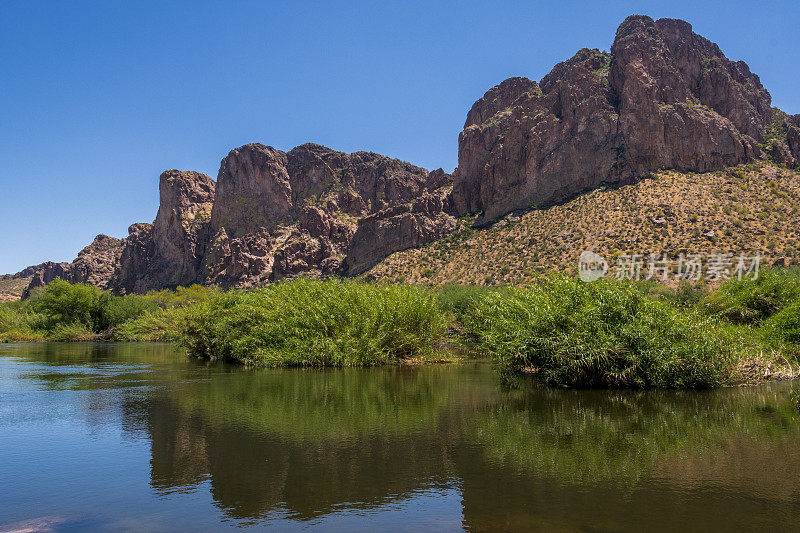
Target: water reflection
x=294, y=446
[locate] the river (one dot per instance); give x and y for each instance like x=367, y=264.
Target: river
x=139, y=437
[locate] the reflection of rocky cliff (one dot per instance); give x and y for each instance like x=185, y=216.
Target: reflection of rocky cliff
x=521, y=460
x=662, y=98
x=252, y=473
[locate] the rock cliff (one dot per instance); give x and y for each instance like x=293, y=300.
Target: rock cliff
x=662, y=98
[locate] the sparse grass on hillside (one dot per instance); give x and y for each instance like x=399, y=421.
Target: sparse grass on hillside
x=749, y=209
x=12, y=289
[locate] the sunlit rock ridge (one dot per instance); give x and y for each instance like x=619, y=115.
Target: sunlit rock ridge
x=662, y=98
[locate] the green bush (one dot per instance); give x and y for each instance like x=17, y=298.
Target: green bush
x=685, y=296
x=460, y=300
x=64, y=303
x=116, y=310
x=75, y=332
x=784, y=326
x=159, y=325
x=316, y=323
x=181, y=296
x=749, y=301
x=17, y=324
x=603, y=334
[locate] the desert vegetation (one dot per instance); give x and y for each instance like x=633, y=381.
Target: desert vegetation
x=556, y=330
x=746, y=209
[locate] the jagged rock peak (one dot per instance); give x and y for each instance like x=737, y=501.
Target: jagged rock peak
x=184, y=188
x=687, y=66
x=253, y=190
x=664, y=97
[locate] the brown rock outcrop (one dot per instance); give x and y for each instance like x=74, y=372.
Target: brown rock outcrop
x=664, y=97
x=239, y=262
x=358, y=183
x=307, y=204
x=544, y=142
x=253, y=191
x=135, y=260
x=47, y=272
x=793, y=136
x=24, y=273
x=180, y=231
x=399, y=228
x=96, y=265
x=682, y=103
x=97, y=262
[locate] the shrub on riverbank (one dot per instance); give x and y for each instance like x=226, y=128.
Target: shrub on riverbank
x=784, y=326
x=603, y=334
x=17, y=324
x=565, y=332
x=749, y=301
x=461, y=300
x=317, y=323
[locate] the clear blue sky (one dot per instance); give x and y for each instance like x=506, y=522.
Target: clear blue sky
x=97, y=98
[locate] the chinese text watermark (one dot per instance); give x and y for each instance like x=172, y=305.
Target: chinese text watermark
x=663, y=267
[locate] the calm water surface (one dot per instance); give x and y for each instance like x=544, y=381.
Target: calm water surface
x=137, y=437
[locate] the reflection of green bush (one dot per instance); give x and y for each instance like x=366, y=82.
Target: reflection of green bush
x=320, y=405
x=602, y=334
x=585, y=436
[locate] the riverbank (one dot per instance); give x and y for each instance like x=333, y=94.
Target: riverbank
x=558, y=330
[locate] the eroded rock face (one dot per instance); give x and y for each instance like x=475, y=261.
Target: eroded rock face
x=47, y=272
x=793, y=135
x=96, y=265
x=398, y=228
x=97, y=262
x=664, y=97
x=358, y=183
x=252, y=192
x=243, y=261
x=779, y=152
x=682, y=103
x=181, y=229
x=312, y=199
x=134, y=262
x=544, y=142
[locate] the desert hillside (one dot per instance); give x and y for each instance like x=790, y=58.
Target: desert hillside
x=747, y=209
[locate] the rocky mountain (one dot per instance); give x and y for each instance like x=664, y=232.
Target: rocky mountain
x=662, y=98
x=752, y=209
